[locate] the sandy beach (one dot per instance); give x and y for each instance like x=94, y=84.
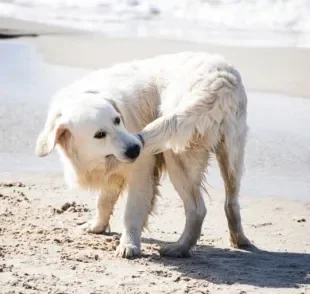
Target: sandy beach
x=43, y=249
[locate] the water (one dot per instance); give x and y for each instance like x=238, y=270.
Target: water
x=236, y=22
x=277, y=153
x=26, y=86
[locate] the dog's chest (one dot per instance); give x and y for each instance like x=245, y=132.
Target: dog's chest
x=115, y=182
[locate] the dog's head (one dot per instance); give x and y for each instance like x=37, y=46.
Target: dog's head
x=89, y=129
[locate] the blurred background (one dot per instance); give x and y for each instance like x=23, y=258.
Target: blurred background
x=233, y=22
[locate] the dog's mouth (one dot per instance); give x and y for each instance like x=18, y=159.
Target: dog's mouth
x=112, y=159
x=127, y=160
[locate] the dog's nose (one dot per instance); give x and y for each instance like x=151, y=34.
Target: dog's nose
x=132, y=151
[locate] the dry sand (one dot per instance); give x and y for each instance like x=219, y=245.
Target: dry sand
x=43, y=249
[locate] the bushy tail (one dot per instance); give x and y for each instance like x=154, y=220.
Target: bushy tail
x=210, y=113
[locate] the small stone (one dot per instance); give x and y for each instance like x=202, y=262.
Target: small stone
x=79, y=223
x=302, y=220
x=65, y=206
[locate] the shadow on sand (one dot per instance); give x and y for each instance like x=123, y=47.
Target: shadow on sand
x=227, y=266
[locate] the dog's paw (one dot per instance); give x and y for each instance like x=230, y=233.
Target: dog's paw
x=95, y=227
x=127, y=251
x=175, y=250
x=239, y=241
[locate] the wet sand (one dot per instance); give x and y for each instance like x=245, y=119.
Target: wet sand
x=42, y=251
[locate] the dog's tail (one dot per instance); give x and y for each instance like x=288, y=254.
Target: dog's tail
x=208, y=111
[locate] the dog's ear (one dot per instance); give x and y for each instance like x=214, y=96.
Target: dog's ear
x=53, y=131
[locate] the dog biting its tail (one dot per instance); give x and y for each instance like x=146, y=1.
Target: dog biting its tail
x=216, y=112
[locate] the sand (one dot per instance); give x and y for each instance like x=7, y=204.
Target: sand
x=42, y=247
x=44, y=250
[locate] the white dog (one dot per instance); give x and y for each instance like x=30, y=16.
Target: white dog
x=182, y=107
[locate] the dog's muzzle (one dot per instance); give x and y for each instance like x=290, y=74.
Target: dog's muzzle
x=132, y=151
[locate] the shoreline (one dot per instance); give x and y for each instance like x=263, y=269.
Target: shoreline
x=277, y=70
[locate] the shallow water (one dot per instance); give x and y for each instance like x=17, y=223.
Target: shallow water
x=277, y=154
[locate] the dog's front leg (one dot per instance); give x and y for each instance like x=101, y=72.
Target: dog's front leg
x=105, y=204
x=138, y=206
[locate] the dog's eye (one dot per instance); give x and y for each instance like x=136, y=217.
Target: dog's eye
x=100, y=135
x=117, y=120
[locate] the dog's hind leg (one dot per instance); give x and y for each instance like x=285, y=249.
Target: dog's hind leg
x=230, y=156
x=186, y=174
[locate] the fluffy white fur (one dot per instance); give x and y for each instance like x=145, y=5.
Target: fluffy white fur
x=184, y=106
